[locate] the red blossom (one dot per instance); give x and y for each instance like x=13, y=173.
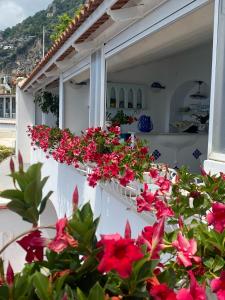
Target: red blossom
x=152, y=236
x=218, y=286
x=163, y=210
x=162, y=292
x=186, y=251
x=195, y=292
x=145, y=200
x=118, y=255
x=33, y=244
x=63, y=239
x=217, y=217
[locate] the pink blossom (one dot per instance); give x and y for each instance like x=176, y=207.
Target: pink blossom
x=217, y=216
x=145, y=200
x=195, y=292
x=163, y=210
x=63, y=239
x=152, y=236
x=186, y=251
x=218, y=286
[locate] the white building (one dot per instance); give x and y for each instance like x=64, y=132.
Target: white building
x=120, y=50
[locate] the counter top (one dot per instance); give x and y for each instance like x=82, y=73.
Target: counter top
x=170, y=133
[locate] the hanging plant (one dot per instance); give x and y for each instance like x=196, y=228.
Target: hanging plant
x=48, y=102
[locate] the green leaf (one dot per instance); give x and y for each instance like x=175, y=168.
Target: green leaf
x=12, y=195
x=4, y=293
x=44, y=202
x=33, y=193
x=41, y=284
x=80, y=295
x=97, y=292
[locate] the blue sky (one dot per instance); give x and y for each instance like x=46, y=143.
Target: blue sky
x=15, y=11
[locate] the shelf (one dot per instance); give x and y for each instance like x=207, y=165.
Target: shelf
x=126, y=96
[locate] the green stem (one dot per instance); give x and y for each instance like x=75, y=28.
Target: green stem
x=25, y=233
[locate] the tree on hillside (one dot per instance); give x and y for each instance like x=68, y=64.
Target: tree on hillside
x=63, y=22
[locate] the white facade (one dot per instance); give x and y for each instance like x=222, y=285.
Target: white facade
x=170, y=42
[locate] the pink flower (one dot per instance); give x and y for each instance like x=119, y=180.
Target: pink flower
x=145, y=200
x=163, y=210
x=162, y=292
x=152, y=236
x=63, y=239
x=118, y=255
x=128, y=177
x=33, y=244
x=195, y=292
x=10, y=275
x=218, y=286
x=186, y=251
x=154, y=173
x=217, y=217
x=164, y=184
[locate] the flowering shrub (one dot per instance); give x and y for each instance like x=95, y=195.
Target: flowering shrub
x=102, y=149
x=178, y=257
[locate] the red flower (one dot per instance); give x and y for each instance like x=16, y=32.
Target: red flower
x=118, y=255
x=63, y=239
x=186, y=251
x=145, y=200
x=195, y=292
x=164, y=184
x=162, y=292
x=128, y=177
x=163, y=210
x=217, y=217
x=218, y=286
x=152, y=237
x=33, y=244
x=10, y=275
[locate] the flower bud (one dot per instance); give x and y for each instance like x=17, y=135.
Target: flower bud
x=127, y=233
x=12, y=165
x=75, y=198
x=20, y=160
x=10, y=275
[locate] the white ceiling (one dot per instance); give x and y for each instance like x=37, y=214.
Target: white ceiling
x=192, y=30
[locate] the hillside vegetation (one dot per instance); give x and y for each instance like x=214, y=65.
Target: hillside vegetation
x=21, y=45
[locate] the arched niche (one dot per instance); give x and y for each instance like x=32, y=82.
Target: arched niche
x=183, y=106
x=130, y=98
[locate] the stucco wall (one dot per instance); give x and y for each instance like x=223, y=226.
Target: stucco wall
x=76, y=101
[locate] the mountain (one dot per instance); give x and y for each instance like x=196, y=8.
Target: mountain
x=21, y=45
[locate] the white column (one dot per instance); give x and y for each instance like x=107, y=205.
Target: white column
x=10, y=107
x=216, y=142
x=25, y=116
x=61, y=102
x=97, y=89
x=4, y=106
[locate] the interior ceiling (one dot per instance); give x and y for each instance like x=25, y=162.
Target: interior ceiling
x=192, y=30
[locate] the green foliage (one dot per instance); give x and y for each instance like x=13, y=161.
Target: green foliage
x=63, y=22
x=48, y=103
x=5, y=152
x=27, y=199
